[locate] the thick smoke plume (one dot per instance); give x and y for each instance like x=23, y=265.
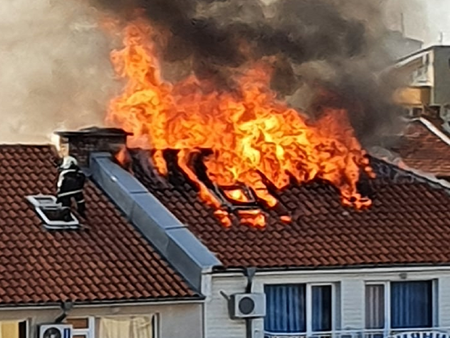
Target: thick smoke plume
x=318, y=45
x=54, y=68
x=56, y=71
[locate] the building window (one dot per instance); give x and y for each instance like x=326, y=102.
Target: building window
x=399, y=305
x=13, y=329
x=411, y=305
x=83, y=327
x=299, y=309
x=321, y=306
x=128, y=327
x=375, y=307
x=417, y=112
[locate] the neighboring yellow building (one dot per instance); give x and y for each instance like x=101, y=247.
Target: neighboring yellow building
x=428, y=75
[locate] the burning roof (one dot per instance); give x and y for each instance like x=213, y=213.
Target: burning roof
x=407, y=223
x=254, y=139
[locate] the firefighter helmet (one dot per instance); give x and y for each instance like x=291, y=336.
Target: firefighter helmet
x=68, y=161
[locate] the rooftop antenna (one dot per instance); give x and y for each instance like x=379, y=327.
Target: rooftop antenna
x=402, y=23
x=441, y=38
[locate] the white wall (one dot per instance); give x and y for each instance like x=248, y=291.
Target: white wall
x=217, y=320
x=444, y=301
x=351, y=284
x=175, y=321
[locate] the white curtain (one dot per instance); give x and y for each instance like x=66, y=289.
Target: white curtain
x=9, y=329
x=375, y=306
x=141, y=327
x=126, y=327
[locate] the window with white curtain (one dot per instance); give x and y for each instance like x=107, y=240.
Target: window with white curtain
x=375, y=306
x=299, y=309
x=399, y=305
x=13, y=329
x=127, y=327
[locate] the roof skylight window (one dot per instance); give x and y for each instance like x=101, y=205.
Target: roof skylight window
x=53, y=214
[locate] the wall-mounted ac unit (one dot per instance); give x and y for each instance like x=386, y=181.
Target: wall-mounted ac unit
x=247, y=305
x=55, y=331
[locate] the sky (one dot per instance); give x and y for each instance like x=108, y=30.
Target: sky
x=67, y=83
x=423, y=19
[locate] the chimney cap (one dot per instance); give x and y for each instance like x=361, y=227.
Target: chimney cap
x=94, y=131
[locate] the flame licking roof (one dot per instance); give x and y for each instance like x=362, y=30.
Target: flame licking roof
x=255, y=140
x=402, y=227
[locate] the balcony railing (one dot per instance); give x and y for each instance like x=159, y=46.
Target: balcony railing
x=382, y=333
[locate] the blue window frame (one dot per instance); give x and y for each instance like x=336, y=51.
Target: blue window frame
x=298, y=309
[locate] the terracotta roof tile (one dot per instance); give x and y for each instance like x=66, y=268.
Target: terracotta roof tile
x=422, y=149
x=38, y=266
x=409, y=223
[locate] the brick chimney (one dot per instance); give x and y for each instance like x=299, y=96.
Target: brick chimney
x=93, y=139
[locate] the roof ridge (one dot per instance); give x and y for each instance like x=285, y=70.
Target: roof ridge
x=19, y=145
x=431, y=127
x=415, y=174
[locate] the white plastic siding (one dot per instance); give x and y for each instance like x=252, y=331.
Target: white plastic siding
x=443, y=300
x=218, y=323
x=352, y=304
x=351, y=289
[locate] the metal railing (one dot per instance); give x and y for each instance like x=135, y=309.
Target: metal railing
x=435, y=332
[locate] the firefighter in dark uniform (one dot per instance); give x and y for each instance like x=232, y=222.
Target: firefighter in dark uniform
x=70, y=185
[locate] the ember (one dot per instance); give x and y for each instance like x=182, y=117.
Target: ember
x=254, y=138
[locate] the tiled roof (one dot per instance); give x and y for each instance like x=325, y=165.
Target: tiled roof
x=107, y=261
x=408, y=224
x=423, y=149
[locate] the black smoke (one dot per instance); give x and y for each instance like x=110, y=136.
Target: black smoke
x=332, y=45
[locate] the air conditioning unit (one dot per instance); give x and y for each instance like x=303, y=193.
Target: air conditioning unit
x=55, y=331
x=247, y=305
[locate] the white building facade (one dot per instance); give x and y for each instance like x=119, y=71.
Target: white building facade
x=369, y=303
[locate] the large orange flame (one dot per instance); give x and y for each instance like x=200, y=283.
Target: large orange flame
x=253, y=136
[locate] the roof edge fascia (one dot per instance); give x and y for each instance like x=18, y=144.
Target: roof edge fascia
x=388, y=268
x=106, y=303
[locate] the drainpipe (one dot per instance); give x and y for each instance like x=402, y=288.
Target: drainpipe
x=249, y=273
x=65, y=307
